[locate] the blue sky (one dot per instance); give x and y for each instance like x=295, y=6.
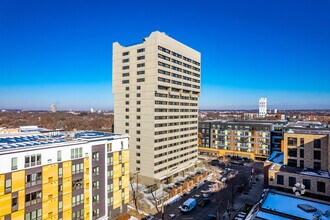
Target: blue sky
x=60, y=51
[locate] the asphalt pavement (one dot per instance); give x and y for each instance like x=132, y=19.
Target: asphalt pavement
x=219, y=200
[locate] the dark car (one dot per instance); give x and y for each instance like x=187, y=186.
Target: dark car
x=204, y=202
x=211, y=217
x=214, y=162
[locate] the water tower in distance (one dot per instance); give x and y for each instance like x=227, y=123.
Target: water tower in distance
x=53, y=108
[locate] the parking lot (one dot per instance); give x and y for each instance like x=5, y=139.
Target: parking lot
x=237, y=181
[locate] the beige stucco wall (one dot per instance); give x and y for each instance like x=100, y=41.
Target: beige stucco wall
x=147, y=122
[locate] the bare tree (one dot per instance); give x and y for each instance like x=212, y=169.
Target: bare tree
x=134, y=192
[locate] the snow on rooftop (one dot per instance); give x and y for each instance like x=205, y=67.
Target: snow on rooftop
x=289, y=205
x=320, y=173
x=266, y=215
x=178, y=179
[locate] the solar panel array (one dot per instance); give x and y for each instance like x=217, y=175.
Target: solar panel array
x=41, y=139
x=91, y=134
x=29, y=141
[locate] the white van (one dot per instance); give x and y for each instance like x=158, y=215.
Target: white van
x=188, y=205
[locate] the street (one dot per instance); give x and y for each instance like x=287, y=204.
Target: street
x=222, y=200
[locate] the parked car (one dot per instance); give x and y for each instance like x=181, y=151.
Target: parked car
x=214, y=162
x=188, y=205
x=206, y=195
x=211, y=217
x=223, y=172
x=224, y=179
x=204, y=202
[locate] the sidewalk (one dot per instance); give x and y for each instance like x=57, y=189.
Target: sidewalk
x=251, y=198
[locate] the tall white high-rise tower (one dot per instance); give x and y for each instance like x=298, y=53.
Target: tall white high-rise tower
x=262, y=107
x=156, y=85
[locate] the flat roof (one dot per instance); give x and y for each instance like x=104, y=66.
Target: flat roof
x=251, y=122
x=304, y=130
x=276, y=157
x=301, y=171
x=270, y=216
x=286, y=204
x=25, y=140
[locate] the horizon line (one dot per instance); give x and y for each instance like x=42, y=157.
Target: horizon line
x=201, y=109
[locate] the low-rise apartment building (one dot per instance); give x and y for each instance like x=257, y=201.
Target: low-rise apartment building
x=282, y=206
x=247, y=139
x=306, y=163
x=71, y=175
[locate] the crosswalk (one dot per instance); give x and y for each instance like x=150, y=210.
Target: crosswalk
x=240, y=215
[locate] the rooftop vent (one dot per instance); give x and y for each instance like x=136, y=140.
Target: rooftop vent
x=307, y=207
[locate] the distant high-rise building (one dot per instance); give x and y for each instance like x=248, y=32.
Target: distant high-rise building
x=92, y=110
x=262, y=107
x=53, y=108
x=156, y=85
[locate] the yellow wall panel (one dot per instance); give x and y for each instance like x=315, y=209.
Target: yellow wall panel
x=126, y=195
x=117, y=171
x=86, y=210
x=115, y=184
x=115, y=158
x=125, y=181
x=5, y=204
x=21, y=199
x=18, y=180
x=125, y=156
x=116, y=199
x=67, y=214
x=86, y=188
x=49, y=173
x=86, y=163
x=86, y=215
x=18, y=215
x=67, y=169
x=49, y=191
x=126, y=168
x=67, y=185
x=86, y=207
x=2, y=184
x=50, y=208
x=67, y=203
x=86, y=173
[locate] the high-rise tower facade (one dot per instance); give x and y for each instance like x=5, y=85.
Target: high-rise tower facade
x=262, y=107
x=156, y=85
